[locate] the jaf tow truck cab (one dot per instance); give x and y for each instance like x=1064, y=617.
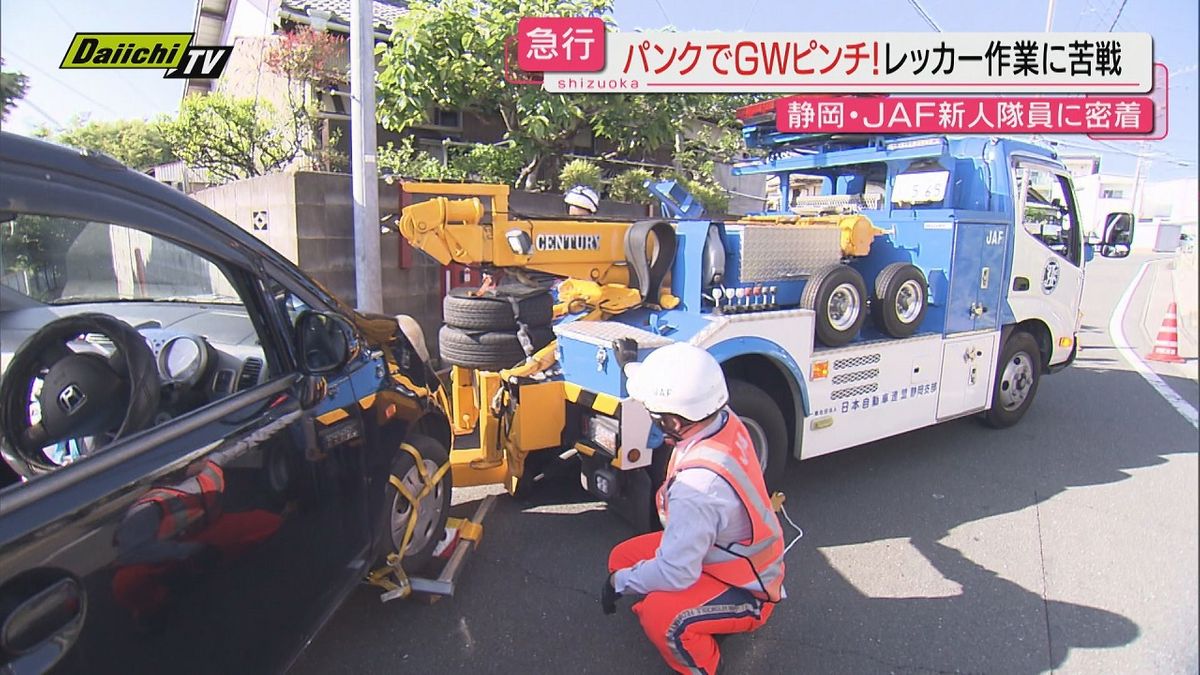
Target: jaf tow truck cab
x=895, y=283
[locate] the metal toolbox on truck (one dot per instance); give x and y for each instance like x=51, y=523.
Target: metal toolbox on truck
x=587, y=352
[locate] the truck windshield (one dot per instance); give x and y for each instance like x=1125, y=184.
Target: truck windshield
x=62, y=261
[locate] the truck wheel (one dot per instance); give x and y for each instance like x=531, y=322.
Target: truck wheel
x=838, y=295
x=900, y=299
x=767, y=428
x=493, y=350
x=1016, y=381
x=494, y=311
x=432, y=510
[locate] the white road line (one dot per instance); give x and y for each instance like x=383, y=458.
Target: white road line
x=1116, y=329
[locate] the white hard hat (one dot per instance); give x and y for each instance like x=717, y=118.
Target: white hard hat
x=678, y=379
x=584, y=197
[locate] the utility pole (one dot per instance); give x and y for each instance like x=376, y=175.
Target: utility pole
x=1139, y=178
x=364, y=173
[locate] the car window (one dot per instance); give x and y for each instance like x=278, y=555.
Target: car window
x=65, y=261
x=196, y=340
x=1047, y=212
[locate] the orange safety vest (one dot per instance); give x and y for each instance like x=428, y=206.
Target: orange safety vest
x=755, y=564
x=192, y=503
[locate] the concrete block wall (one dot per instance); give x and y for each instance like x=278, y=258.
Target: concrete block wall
x=308, y=217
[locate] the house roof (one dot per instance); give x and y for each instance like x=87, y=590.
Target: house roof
x=386, y=11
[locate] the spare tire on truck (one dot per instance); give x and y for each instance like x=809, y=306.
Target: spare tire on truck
x=494, y=310
x=838, y=295
x=488, y=350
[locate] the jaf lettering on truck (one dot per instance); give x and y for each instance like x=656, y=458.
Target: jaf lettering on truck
x=931, y=278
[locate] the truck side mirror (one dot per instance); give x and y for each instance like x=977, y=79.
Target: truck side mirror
x=1118, y=235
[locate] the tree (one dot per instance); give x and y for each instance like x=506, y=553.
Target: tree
x=136, y=143
x=449, y=54
x=231, y=138
x=311, y=60
x=13, y=87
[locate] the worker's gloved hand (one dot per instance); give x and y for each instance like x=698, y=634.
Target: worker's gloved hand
x=609, y=596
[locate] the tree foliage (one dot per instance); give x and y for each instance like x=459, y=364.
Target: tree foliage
x=136, y=143
x=580, y=172
x=310, y=60
x=488, y=163
x=231, y=138
x=406, y=161
x=13, y=87
x=307, y=55
x=449, y=54
x=629, y=186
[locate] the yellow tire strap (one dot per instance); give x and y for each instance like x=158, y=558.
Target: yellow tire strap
x=466, y=529
x=381, y=577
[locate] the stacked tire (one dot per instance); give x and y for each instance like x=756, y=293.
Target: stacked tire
x=490, y=331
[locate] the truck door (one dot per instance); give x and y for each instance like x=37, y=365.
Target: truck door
x=976, y=277
x=1047, y=268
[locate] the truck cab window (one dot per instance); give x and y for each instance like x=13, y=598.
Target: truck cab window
x=1047, y=211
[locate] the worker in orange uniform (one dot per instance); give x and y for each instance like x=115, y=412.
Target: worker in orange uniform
x=717, y=567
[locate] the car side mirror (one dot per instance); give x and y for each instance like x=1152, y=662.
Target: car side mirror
x=326, y=342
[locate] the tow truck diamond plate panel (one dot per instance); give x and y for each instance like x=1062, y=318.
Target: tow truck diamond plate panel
x=602, y=333
x=774, y=252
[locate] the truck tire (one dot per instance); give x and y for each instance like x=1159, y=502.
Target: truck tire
x=490, y=350
x=494, y=311
x=767, y=427
x=901, y=295
x=1017, y=376
x=431, y=512
x=838, y=295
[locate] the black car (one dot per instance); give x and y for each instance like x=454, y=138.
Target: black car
x=198, y=440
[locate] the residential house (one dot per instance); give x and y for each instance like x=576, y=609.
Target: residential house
x=252, y=26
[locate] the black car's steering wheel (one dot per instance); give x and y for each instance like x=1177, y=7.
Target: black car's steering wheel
x=83, y=394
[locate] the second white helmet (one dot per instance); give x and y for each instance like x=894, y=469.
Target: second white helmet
x=583, y=197
x=678, y=379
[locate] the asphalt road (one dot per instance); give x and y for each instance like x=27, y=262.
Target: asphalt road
x=1068, y=542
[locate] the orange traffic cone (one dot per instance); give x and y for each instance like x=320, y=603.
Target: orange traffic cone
x=1166, y=346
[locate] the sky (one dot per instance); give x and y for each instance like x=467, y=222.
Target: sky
x=34, y=36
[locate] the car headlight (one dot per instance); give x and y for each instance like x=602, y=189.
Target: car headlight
x=602, y=431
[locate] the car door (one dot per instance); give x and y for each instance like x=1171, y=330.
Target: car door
x=1047, y=267
x=217, y=540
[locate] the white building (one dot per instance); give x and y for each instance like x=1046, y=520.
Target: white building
x=1101, y=194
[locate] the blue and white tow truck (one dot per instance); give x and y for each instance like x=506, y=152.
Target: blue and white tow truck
x=916, y=280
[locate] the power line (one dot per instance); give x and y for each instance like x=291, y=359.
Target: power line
x=121, y=75
x=41, y=112
x=664, y=12
x=1118, y=16
x=925, y=15
x=749, y=13
x=52, y=78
